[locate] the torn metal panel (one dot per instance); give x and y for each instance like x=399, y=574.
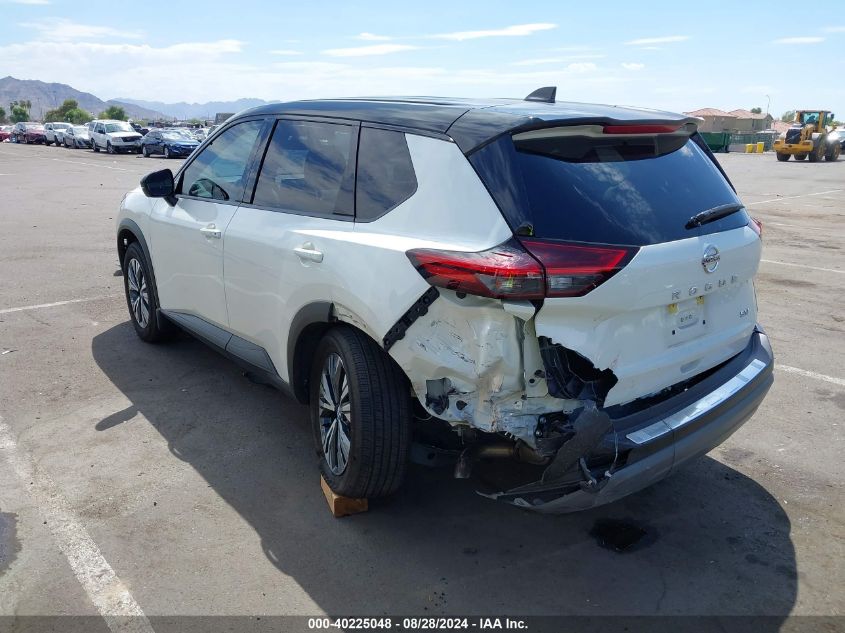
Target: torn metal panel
x=471, y=361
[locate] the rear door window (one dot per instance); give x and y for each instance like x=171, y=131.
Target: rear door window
x=219, y=171
x=308, y=168
x=386, y=175
x=628, y=190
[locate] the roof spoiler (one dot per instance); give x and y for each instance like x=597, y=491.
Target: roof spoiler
x=546, y=94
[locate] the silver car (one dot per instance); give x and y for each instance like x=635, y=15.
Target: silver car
x=77, y=137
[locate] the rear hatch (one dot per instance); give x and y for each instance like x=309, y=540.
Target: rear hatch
x=648, y=253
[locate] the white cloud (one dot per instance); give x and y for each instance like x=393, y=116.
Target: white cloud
x=666, y=39
x=285, y=51
x=555, y=60
x=371, y=37
x=61, y=29
x=632, y=66
x=29, y=2
x=364, y=51
x=834, y=29
x=508, y=31
x=799, y=40
x=581, y=67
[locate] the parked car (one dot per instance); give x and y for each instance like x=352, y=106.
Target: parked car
x=139, y=129
x=114, y=137
x=566, y=285
x=5, y=133
x=838, y=136
x=28, y=132
x=77, y=137
x=53, y=131
x=172, y=143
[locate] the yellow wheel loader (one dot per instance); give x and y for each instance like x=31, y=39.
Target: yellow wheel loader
x=807, y=137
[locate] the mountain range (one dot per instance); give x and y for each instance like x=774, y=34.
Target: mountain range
x=46, y=96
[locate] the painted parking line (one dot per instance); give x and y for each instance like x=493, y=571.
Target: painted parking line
x=108, y=593
x=811, y=374
x=41, y=306
x=827, y=270
x=803, y=195
x=74, y=162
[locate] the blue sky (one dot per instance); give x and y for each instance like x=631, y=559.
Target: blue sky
x=669, y=55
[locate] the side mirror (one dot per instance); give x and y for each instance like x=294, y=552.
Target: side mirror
x=158, y=184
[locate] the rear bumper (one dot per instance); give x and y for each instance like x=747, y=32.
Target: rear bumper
x=663, y=438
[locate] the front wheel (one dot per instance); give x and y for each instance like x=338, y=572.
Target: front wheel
x=95, y=147
x=145, y=151
x=360, y=415
x=167, y=152
x=109, y=147
x=782, y=157
x=833, y=152
x=141, y=297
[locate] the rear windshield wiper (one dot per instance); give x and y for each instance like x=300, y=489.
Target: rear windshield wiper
x=711, y=215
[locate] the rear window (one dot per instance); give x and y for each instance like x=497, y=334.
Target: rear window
x=632, y=190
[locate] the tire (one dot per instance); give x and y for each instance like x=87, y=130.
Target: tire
x=167, y=152
x=94, y=146
x=376, y=410
x=801, y=157
x=782, y=157
x=141, y=296
x=110, y=148
x=145, y=151
x=66, y=144
x=832, y=153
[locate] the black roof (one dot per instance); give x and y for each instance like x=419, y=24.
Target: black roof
x=470, y=122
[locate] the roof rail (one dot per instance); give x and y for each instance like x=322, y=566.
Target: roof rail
x=546, y=94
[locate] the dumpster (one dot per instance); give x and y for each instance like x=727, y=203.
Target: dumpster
x=717, y=141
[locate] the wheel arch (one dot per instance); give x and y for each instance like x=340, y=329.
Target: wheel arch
x=128, y=232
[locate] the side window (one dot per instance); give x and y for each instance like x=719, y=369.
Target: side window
x=308, y=168
x=219, y=171
x=386, y=175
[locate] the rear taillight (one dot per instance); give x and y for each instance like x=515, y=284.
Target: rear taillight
x=506, y=271
x=573, y=270
x=531, y=269
x=756, y=226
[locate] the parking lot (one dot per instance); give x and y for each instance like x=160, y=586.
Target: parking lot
x=158, y=480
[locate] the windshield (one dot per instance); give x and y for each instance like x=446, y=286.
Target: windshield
x=118, y=127
x=80, y=129
x=177, y=136
x=32, y=126
x=61, y=126
x=629, y=190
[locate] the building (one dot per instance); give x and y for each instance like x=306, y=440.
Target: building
x=747, y=121
x=715, y=120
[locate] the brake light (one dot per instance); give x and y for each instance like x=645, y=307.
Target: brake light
x=506, y=271
x=756, y=226
x=573, y=270
x=532, y=269
x=640, y=129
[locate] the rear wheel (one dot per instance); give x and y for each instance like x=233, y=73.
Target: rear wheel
x=94, y=146
x=145, y=151
x=782, y=157
x=833, y=152
x=166, y=152
x=360, y=415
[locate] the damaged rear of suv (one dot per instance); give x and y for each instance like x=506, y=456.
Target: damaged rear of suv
x=556, y=297
x=613, y=336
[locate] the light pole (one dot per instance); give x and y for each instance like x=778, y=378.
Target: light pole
x=768, y=101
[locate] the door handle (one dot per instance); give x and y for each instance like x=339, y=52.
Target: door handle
x=307, y=252
x=211, y=231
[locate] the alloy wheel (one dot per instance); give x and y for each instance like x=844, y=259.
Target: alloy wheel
x=335, y=413
x=139, y=297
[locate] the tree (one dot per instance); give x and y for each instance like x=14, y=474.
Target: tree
x=757, y=110
x=113, y=112
x=2, y=115
x=69, y=112
x=19, y=111
x=788, y=116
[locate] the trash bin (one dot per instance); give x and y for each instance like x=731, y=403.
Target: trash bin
x=749, y=148
x=760, y=145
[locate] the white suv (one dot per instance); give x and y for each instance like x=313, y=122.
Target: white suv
x=113, y=136
x=569, y=286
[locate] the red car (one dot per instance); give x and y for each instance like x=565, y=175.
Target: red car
x=5, y=132
x=28, y=132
